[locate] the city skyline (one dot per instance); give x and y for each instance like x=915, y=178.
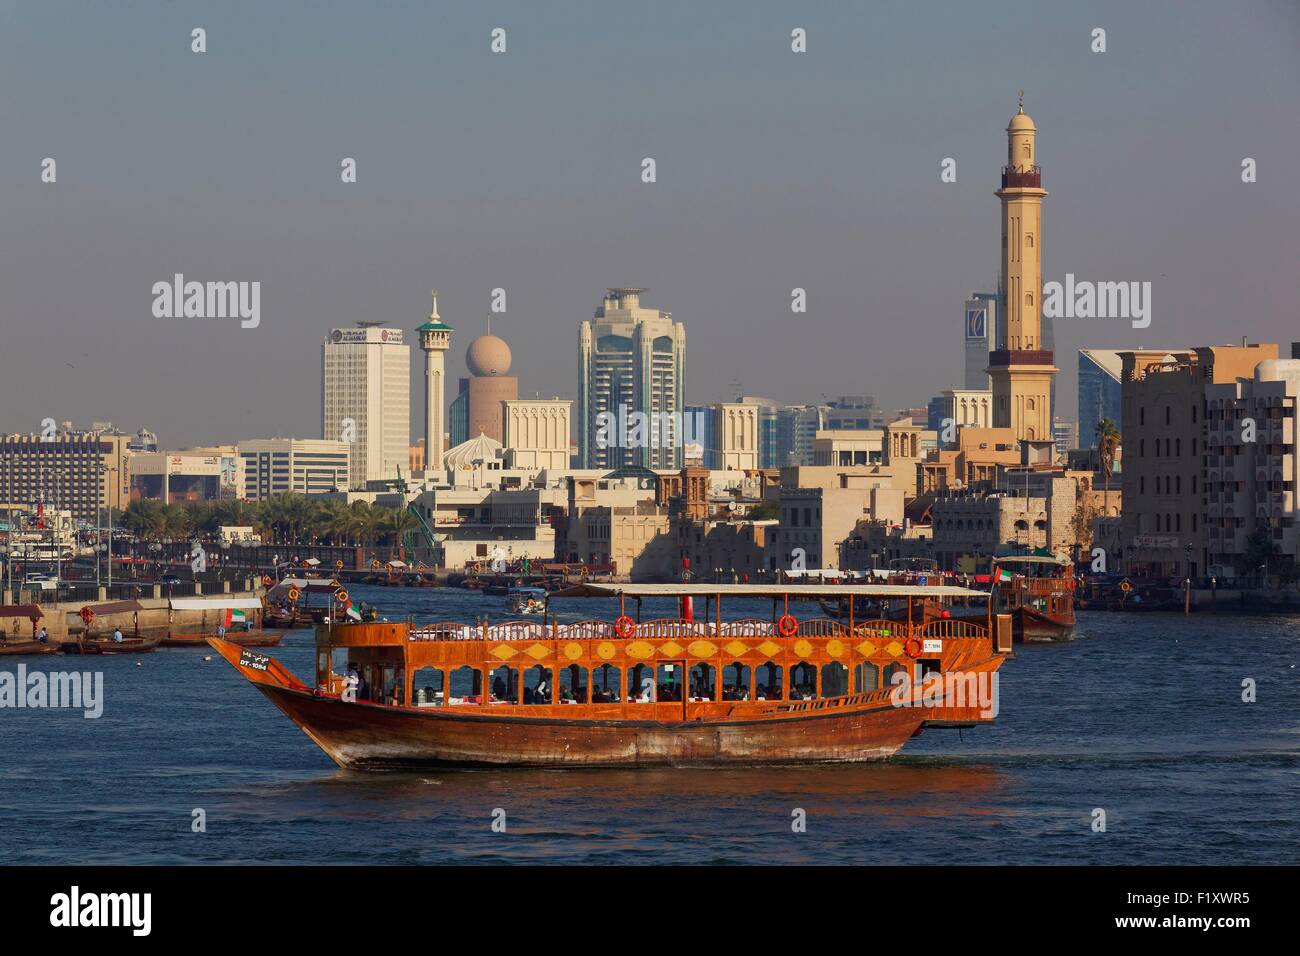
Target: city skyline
x=855, y=213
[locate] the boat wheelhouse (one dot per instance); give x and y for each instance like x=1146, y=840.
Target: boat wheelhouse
x=643, y=692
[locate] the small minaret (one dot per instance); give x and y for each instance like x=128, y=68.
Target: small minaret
x=435, y=339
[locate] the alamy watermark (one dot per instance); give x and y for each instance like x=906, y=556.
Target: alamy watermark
x=60, y=690
x=1098, y=300
x=626, y=428
x=208, y=300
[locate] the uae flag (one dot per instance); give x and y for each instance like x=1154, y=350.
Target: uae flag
x=235, y=616
x=1004, y=576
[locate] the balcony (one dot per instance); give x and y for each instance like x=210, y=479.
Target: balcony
x=1031, y=178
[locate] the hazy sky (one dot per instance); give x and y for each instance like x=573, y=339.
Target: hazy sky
x=522, y=170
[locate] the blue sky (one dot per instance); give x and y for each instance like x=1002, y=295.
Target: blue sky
x=521, y=171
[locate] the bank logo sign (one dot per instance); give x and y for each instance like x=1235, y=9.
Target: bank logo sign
x=977, y=323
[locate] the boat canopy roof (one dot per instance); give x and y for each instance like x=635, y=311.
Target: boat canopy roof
x=1032, y=559
x=305, y=584
x=541, y=591
x=115, y=607
x=767, y=590
x=214, y=603
x=32, y=612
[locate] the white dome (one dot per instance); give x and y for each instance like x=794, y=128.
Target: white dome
x=469, y=453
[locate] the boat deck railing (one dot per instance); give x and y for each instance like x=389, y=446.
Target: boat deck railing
x=664, y=628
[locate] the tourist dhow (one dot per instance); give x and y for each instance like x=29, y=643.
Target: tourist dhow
x=631, y=692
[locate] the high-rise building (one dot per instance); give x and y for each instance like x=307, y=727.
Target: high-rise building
x=799, y=425
x=306, y=466
x=435, y=339
x=1100, y=393
x=853, y=412
x=65, y=470
x=979, y=325
x=631, y=362
x=366, y=399
x=769, y=431
x=1021, y=367
x=1065, y=434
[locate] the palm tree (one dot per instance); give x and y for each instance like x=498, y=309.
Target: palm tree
x=1108, y=442
x=397, y=522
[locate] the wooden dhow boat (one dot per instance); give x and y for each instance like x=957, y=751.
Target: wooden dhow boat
x=1038, y=592
x=240, y=617
x=628, y=692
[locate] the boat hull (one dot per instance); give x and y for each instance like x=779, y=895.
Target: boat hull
x=250, y=639
x=27, y=648
x=1030, y=627
x=376, y=737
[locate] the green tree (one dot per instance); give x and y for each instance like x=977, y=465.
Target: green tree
x=1108, y=442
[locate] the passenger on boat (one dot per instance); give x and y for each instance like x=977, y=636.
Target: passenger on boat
x=221, y=630
x=350, y=684
x=647, y=695
x=117, y=635
x=499, y=688
x=43, y=637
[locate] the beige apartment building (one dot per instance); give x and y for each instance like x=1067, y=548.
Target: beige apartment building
x=1162, y=529
x=1251, y=470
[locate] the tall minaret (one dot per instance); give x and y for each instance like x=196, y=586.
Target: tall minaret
x=435, y=339
x=1020, y=368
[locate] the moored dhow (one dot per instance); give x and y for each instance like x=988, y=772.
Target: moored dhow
x=675, y=691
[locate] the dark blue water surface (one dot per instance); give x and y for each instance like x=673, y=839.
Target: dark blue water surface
x=1140, y=716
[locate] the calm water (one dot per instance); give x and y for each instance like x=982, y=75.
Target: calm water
x=1140, y=716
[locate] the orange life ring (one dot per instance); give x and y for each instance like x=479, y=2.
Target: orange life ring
x=913, y=647
x=341, y=596
x=294, y=594
x=268, y=580
x=787, y=625
x=624, y=627
x=478, y=567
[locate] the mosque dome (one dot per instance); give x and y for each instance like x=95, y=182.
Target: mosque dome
x=488, y=355
x=1021, y=121
x=469, y=453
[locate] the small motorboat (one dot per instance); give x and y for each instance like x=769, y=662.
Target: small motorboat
x=526, y=600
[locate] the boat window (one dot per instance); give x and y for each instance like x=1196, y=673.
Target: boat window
x=466, y=685
x=803, y=681
x=703, y=682
x=538, y=687
x=606, y=685
x=735, y=681
x=426, y=687
x=641, y=684
x=891, y=672
x=767, y=681
x=393, y=685
x=668, y=682
x=835, y=679
x=503, y=682
x=866, y=677
x=573, y=684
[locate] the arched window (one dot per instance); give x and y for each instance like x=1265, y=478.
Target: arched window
x=866, y=677
x=606, y=684
x=835, y=679
x=767, y=681
x=427, y=687
x=465, y=684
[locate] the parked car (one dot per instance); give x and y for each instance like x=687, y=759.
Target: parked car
x=36, y=581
